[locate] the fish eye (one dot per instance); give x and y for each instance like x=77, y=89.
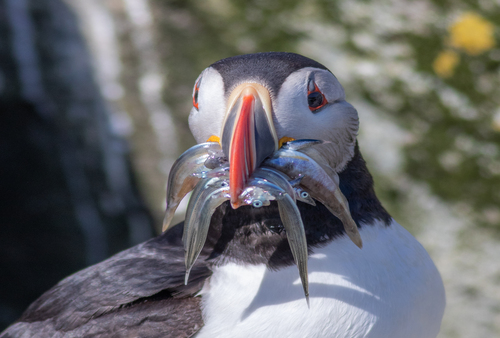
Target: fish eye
x=315, y=97
x=257, y=204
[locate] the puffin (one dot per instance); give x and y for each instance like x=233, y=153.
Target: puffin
x=244, y=283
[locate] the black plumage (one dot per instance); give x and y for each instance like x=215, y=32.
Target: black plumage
x=139, y=292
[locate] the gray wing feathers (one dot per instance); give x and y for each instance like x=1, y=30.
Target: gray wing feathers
x=138, y=292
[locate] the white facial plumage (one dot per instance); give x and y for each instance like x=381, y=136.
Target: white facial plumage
x=336, y=122
x=207, y=120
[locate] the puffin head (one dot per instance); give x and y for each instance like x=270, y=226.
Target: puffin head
x=252, y=104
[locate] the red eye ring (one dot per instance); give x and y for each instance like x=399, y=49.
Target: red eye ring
x=195, y=95
x=315, y=97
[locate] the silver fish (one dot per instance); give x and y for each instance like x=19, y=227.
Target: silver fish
x=296, y=235
x=276, y=177
x=256, y=196
x=181, y=179
x=283, y=181
x=207, y=196
x=306, y=147
x=292, y=222
x=321, y=185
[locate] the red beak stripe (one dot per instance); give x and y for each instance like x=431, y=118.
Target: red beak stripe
x=242, y=153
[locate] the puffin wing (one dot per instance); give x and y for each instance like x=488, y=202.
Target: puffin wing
x=139, y=292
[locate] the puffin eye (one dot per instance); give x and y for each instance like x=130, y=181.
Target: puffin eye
x=315, y=98
x=195, y=94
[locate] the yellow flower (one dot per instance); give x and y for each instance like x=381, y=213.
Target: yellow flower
x=472, y=33
x=445, y=63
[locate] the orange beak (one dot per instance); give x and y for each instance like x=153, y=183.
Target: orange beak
x=248, y=135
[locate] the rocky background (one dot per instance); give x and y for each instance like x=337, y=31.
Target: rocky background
x=95, y=94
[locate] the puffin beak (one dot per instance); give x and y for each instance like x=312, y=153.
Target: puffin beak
x=248, y=134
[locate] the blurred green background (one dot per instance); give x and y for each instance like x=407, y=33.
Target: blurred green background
x=424, y=76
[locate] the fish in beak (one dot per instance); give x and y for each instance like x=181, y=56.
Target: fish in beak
x=248, y=134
